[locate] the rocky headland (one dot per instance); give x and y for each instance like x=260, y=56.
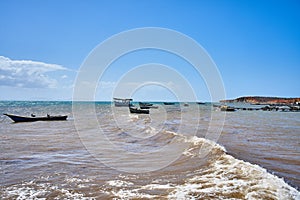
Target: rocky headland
x=264, y=100
x=270, y=103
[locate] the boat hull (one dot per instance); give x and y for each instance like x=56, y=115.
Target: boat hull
x=227, y=109
x=122, y=102
x=138, y=111
x=145, y=104
x=17, y=118
x=148, y=107
x=168, y=103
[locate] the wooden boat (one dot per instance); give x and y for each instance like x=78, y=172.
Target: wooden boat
x=227, y=108
x=145, y=104
x=122, y=102
x=138, y=111
x=17, y=118
x=168, y=103
x=148, y=107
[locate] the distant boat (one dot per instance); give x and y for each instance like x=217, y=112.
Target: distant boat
x=148, y=107
x=145, y=104
x=200, y=103
x=122, y=102
x=168, y=103
x=227, y=108
x=17, y=118
x=138, y=111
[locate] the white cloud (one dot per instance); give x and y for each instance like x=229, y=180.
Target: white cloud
x=27, y=73
x=64, y=77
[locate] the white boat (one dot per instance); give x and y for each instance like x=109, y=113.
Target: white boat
x=122, y=102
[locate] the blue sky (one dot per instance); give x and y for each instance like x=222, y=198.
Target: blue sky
x=255, y=44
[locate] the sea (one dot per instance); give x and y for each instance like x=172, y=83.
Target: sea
x=180, y=151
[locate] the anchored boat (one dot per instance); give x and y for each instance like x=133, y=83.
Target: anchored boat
x=138, y=111
x=227, y=108
x=144, y=105
x=17, y=118
x=168, y=103
x=122, y=102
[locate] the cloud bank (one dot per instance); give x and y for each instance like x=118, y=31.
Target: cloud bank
x=27, y=73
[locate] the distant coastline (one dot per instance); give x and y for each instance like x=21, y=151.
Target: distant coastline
x=263, y=100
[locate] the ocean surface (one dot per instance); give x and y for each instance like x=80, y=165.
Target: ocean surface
x=176, y=152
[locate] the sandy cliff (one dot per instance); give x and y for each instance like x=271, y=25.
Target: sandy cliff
x=263, y=100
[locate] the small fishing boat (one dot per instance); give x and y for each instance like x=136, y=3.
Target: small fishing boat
x=17, y=118
x=122, y=102
x=145, y=104
x=168, y=103
x=227, y=108
x=148, y=107
x=138, y=111
x=201, y=103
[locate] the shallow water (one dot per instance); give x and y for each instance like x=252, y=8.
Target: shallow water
x=103, y=152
